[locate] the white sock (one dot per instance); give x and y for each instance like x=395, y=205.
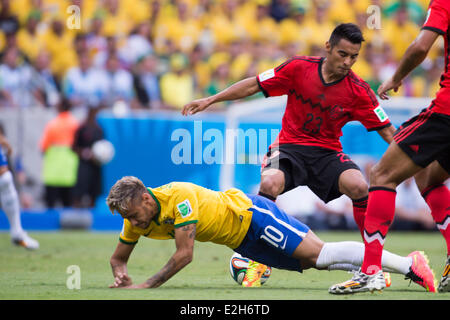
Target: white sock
x=351, y=252
x=343, y=266
x=9, y=201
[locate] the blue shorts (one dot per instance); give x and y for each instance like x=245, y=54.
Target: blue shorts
x=273, y=236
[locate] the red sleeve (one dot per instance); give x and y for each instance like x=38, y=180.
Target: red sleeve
x=278, y=81
x=368, y=110
x=437, y=17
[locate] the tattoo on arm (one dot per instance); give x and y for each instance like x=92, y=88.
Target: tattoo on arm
x=118, y=268
x=190, y=227
x=163, y=275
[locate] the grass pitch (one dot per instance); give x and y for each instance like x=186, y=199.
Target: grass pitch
x=42, y=274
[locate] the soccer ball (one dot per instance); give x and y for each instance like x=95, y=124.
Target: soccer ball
x=103, y=151
x=238, y=267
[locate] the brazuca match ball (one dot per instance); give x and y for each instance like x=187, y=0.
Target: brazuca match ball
x=238, y=267
x=103, y=151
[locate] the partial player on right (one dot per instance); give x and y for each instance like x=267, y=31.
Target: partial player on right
x=421, y=148
x=9, y=199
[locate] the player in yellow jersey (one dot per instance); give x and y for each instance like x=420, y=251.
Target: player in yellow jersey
x=248, y=224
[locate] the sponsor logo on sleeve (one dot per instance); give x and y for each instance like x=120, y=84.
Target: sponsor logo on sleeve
x=266, y=75
x=184, y=208
x=381, y=115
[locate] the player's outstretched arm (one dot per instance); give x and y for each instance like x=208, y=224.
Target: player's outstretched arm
x=118, y=263
x=414, y=55
x=239, y=90
x=184, y=241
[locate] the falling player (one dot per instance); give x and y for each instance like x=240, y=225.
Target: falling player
x=251, y=225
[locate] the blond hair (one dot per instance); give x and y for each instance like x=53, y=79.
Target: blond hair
x=124, y=193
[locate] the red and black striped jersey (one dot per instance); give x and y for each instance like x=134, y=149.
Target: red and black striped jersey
x=438, y=20
x=316, y=111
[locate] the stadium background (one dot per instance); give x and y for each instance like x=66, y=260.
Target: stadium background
x=144, y=60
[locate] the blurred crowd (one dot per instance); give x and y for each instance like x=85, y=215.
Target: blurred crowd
x=153, y=54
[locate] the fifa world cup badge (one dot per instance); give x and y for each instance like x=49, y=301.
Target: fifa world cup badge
x=185, y=208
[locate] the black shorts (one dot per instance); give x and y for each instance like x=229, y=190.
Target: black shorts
x=425, y=138
x=315, y=167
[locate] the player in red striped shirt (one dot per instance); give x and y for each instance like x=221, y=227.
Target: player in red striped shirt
x=421, y=142
x=323, y=95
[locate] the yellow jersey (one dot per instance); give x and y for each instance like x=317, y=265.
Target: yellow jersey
x=220, y=217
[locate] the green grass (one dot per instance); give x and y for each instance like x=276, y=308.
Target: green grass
x=42, y=274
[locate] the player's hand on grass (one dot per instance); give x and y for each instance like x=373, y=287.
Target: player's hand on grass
x=195, y=106
x=386, y=86
x=121, y=280
x=137, y=286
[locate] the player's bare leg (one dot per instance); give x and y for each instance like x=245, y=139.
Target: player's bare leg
x=272, y=183
x=353, y=184
x=430, y=183
x=394, y=167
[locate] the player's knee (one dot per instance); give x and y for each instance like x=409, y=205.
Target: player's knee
x=358, y=190
x=272, y=185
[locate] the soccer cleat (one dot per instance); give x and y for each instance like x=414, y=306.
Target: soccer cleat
x=420, y=272
x=253, y=275
x=360, y=282
x=444, y=284
x=26, y=241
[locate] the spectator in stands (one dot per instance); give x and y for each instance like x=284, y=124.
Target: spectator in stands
x=294, y=29
x=118, y=84
x=96, y=42
x=320, y=24
x=228, y=23
x=28, y=38
x=138, y=44
x=84, y=85
x=60, y=163
x=220, y=79
x=15, y=80
x=261, y=26
x=399, y=32
x=116, y=20
x=177, y=85
x=146, y=82
x=9, y=23
x=58, y=41
x=11, y=42
x=44, y=84
x=111, y=49
x=415, y=10
x=89, y=175
x=199, y=66
x=280, y=9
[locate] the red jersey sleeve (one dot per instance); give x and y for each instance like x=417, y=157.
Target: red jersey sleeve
x=368, y=111
x=438, y=17
x=278, y=81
